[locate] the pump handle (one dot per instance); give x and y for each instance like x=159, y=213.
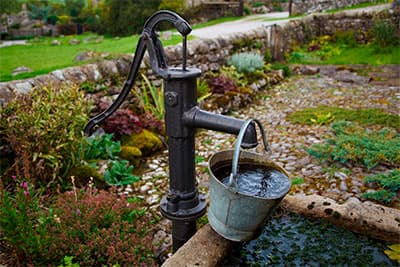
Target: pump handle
x=149, y=39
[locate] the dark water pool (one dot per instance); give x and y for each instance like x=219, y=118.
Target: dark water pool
x=292, y=240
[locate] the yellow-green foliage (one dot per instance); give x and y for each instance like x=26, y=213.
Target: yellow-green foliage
x=393, y=252
x=130, y=153
x=362, y=116
x=146, y=141
x=45, y=130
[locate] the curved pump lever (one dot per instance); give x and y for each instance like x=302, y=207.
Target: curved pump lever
x=148, y=39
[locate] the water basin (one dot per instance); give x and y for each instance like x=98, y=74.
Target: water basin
x=292, y=240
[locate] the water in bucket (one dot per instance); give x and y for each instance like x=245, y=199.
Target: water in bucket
x=256, y=181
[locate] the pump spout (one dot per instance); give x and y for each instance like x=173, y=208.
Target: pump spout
x=197, y=118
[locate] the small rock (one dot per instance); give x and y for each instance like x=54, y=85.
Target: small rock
x=81, y=56
x=153, y=166
x=340, y=175
x=343, y=186
x=145, y=188
x=55, y=42
x=21, y=69
x=166, y=35
x=23, y=87
x=74, y=42
x=309, y=70
x=154, y=199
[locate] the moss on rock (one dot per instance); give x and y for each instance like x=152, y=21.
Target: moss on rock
x=83, y=174
x=146, y=141
x=130, y=153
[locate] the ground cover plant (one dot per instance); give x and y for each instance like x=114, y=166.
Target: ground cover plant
x=388, y=186
x=354, y=144
x=326, y=115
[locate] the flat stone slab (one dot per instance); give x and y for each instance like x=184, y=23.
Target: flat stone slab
x=205, y=248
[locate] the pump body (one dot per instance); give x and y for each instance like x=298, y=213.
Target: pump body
x=182, y=204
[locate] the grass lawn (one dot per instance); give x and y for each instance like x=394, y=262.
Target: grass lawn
x=42, y=57
x=369, y=54
x=361, y=5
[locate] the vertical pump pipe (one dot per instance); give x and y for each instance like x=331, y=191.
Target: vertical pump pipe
x=182, y=204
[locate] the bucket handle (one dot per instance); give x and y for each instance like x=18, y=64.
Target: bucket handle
x=235, y=159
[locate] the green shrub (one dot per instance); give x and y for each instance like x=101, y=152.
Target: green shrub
x=45, y=130
x=246, y=62
x=120, y=173
x=286, y=70
x=354, y=144
x=384, y=32
x=389, y=185
x=101, y=147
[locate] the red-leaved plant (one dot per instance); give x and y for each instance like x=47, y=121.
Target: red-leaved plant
x=221, y=84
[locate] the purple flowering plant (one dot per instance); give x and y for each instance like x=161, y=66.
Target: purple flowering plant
x=22, y=220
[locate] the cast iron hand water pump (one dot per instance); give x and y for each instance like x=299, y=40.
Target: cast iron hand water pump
x=182, y=204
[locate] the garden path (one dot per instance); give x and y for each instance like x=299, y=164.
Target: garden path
x=255, y=21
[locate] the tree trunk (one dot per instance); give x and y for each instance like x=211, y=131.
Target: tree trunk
x=366, y=218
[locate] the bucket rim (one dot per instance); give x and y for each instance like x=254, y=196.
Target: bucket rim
x=274, y=166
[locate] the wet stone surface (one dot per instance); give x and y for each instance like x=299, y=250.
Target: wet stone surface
x=288, y=141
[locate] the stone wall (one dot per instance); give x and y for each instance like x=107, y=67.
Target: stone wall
x=210, y=54
x=311, y=6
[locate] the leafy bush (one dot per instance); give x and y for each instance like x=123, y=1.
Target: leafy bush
x=354, y=144
x=120, y=173
x=286, y=70
x=389, y=184
x=45, y=130
x=101, y=147
x=246, y=62
x=221, y=84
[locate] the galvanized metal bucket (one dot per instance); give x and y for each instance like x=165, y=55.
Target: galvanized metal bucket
x=234, y=215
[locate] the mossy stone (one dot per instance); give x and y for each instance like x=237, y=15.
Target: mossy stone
x=146, y=141
x=130, y=153
x=83, y=174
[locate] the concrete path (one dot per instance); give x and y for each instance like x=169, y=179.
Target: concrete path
x=243, y=25
x=14, y=42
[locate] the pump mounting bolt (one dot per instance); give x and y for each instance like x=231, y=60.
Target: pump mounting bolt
x=171, y=99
